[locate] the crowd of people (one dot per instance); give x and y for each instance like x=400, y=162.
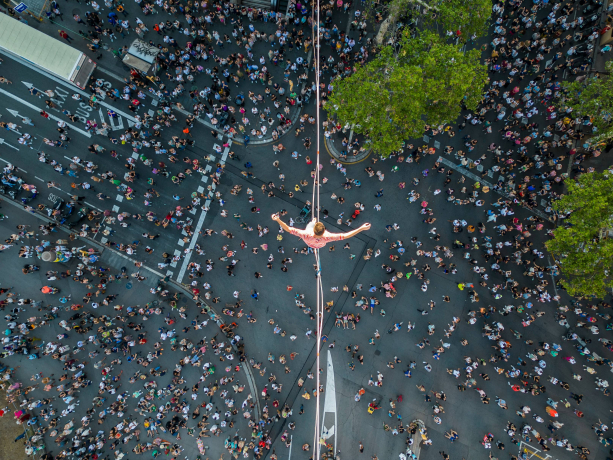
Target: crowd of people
x=109, y=333
x=531, y=50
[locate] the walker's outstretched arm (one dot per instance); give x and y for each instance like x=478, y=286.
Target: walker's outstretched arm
x=354, y=232
x=283, y=225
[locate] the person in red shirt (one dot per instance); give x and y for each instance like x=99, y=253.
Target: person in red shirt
x=315, y=234
x=65, y=36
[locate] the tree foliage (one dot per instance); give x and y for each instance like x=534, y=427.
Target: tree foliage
x=423, y=80
x=469, y=17
x=465, y=18
x=592, y=97
x=582, y=248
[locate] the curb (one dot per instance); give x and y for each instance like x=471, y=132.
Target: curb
x=334, y=153
x=180, y=287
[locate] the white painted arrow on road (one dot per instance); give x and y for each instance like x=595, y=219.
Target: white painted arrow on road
x=15, y=114
x=8, y=145
x=53, y=117
x=53, y=99
x=30, y=86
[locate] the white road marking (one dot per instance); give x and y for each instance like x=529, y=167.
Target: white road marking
x=15, y=113
x=30, y=86
x=115, y=208
x=95, y=207
x=191, y=246
x=330, y=404
x=192, y=243
x=224, y=157
x=67, y=85
x=330, y=400
x=53, y=117
x=8, y=162
x=2, y=142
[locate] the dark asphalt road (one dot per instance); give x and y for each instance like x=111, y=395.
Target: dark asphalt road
x=129, y=293
x=463, y=411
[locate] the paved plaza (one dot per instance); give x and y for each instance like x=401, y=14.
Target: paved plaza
x=447, y=314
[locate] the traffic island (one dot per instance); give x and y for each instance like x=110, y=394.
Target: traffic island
x=343, y=158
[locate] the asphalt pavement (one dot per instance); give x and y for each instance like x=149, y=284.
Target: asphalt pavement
x=128, y=292
x=276, y=305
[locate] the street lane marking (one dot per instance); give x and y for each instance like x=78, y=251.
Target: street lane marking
x=329, y=404
x=2, y=142
x=67, y=85
x=466, y=172
x=9, y=163
x=53, y=117
x=524, y=447
x=192, y=244
x=95, y=207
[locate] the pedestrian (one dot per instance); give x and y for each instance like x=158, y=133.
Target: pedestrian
x=65, y=36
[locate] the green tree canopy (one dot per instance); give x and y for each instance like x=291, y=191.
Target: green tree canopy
x=468, y=17
x=423, y=80
x=592, y=97
x=581, y=246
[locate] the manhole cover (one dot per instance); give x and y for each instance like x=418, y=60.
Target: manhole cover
x=377, y=352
